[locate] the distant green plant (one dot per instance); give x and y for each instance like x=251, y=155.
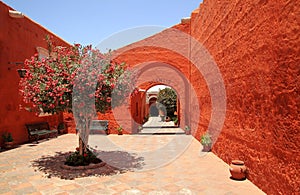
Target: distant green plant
x=168, y=98
x=120, y=129
x=61, y=126
x=146, y=118
x=7, y=137
x=187, y=130
x=176, y=120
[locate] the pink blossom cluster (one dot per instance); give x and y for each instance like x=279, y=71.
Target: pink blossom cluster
x=49, y=82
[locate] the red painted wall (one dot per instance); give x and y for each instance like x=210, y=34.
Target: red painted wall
x=19, y=38
x=256, y=47
x=136, y=55
x=255, y=44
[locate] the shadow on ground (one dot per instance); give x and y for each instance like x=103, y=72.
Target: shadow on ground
x=122, y=160
x=51, y=166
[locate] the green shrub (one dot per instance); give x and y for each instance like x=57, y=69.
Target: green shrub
x=176, y=120
x=206, y=139
x=168, y=98
x=75, y=159
x=7, y=137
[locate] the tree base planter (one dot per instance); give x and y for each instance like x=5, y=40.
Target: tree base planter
x=55, y=166
x=238, y=170
x=90, y=166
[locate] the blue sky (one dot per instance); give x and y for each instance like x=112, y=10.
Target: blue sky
x=93, y=21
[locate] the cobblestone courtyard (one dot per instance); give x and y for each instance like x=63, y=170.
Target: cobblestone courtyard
x=158, y=172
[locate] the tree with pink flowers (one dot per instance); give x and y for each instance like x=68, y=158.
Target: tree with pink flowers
x=75, y=79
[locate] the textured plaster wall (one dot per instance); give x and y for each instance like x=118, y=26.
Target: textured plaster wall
x=19, y=38
x=256, y=46
x=137, y=54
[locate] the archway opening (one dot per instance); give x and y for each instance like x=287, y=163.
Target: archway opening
x=158, y=73
x=159, y=107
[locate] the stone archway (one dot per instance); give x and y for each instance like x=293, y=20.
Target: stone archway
x=167, y=75
x=203, y=84
x=253, y=68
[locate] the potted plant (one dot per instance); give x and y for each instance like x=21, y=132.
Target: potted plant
x=145, y=119
x=206, y=142
x=120, y=130
x=61, y=128
x=140, y=128
x=8, y=140
x=187, y=130
x=176, y=121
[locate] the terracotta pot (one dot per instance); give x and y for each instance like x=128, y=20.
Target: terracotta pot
x=188, y=132
x=238, y=169
x=168, y=119
x=8, y=145
x=206, y=148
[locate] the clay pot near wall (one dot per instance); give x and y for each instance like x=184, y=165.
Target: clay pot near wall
x=238, y=170
x=8, y=145
x=8, y=140
x=168, y=119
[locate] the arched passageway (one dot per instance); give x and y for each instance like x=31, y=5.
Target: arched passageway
x=253, y=68
x=171, y=64
x=151, y=74
x=161, y=108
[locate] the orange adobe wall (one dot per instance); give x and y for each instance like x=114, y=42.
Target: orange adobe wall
x=167, y=66
x=255, y=44
x=19, y=38
x=256, y=47
x=134, y=55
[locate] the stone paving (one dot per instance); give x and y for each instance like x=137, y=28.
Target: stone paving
x=156, y=165
x=152, y=126
x=155, y=121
